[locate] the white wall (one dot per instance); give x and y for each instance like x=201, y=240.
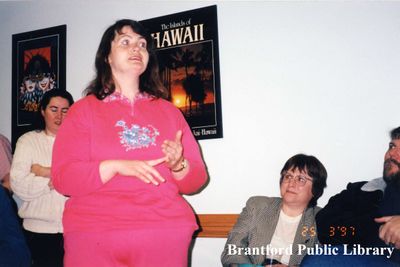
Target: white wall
x=314, y=77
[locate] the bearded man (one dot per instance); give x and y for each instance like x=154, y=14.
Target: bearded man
x=363, y=221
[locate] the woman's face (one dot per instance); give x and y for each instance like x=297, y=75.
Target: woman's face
x=293, y=191
x=128, y=53
x=54, y=114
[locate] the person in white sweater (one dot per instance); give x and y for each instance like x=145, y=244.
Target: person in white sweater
x=42, y=206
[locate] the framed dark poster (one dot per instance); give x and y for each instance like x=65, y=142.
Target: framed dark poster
x=187, y=50
x=38, y=65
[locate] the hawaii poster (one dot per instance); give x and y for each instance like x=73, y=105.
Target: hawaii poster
x=187, y=49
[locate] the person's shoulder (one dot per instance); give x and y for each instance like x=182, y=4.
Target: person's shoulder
x=5, y=143
x=314, y=210
x=167, y=108
x=30, y=136
x=355, y=185
x=4, y=139
x=163, y=103
x=354, y=193
x=86, y=103
x=262, y=201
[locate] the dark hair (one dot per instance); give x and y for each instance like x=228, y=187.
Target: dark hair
x=314, y=169
x=149, y=81
x=39, y=122
x=395, y=133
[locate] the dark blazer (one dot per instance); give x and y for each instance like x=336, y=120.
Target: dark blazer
x=353, y=211
x=348, y=218
x=256, y=226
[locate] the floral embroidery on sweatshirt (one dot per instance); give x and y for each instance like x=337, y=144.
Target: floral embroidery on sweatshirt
x=136, y=136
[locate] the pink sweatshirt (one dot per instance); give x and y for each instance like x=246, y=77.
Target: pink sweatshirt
x=116, y=128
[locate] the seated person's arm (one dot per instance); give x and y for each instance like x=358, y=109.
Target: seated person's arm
x=237, y=239
x=389, y=231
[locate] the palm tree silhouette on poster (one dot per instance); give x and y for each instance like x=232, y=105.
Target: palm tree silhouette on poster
x=187, y=60
x=203, y=61
x=193, y=82
x=167, y=63
x=195, y=91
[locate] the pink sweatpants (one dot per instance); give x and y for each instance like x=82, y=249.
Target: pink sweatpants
x=128, y=248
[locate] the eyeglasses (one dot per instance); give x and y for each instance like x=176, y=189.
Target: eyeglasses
x=301, y=180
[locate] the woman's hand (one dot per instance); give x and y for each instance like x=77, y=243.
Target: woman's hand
x=143, y=170
x=173, y=151
x=40, y=170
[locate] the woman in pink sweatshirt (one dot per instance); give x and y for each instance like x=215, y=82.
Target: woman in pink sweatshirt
x=124, y=156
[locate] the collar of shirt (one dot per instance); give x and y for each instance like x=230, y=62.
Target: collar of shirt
x=117, y=96
x=375, y=184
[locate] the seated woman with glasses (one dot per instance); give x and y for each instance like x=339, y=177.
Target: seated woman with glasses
x=277, y=230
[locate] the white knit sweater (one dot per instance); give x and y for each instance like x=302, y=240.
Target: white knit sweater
x=42, y=208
